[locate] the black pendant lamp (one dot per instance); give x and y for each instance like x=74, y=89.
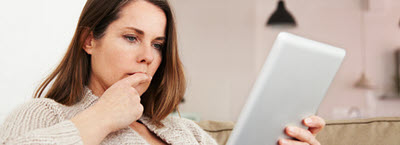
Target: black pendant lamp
x=281, y=16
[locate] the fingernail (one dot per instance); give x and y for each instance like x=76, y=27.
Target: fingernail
x=308, y=121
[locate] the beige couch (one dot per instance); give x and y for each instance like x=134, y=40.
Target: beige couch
x=373, y=131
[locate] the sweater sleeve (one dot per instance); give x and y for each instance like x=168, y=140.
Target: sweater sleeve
x=202, y=137
x=38, y=122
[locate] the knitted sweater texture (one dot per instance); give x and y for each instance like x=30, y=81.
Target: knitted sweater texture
x=44, y=121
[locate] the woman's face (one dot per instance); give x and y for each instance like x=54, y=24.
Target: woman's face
x=131, y=44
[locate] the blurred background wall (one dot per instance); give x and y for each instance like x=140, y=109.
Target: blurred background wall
x=223, y=44
x=34, y=35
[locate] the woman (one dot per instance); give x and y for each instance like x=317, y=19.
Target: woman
x=120, y=78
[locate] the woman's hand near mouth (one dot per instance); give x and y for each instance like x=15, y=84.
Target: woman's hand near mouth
x=117, y=108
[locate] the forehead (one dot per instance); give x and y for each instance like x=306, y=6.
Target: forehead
x=144, y=16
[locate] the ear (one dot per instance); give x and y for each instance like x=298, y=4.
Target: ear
x=88, y=43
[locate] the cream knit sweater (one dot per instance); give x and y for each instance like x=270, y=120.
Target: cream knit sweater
x=44, y=121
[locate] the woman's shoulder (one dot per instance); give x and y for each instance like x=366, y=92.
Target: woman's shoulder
x=33, y=114
x=39, y=120
x=40, y=109
x=44, y=105
x=172, y=122
x=179, y=120
x=41, y=101
x=186, y=124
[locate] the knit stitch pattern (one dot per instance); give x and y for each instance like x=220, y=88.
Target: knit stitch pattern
x=44, y=121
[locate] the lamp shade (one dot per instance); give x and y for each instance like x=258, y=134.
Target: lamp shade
x=281, y=16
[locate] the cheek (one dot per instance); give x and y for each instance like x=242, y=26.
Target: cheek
x=121, y=60
x=118, y=55
x=111, y=62
x=155, y=64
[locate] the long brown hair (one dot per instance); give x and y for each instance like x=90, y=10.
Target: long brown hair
x=72, y=74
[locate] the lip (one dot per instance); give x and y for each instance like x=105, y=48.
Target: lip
x=135, y=73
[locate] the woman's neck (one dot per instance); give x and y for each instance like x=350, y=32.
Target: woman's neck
x=96, y=85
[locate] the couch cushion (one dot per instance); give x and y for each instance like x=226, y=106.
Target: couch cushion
x=373, y=131
x=219, y=130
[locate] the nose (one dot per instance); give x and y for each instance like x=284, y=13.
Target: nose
x=145, y=55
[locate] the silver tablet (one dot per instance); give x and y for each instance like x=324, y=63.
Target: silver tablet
x=290, y=87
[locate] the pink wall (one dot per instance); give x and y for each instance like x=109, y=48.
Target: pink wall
x=224, y=44
x=338, y=22
x=217, y=47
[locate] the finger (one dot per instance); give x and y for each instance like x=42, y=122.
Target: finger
x=301, y=134
x=140, y=108
x=134, y=92
x=137, y=78
x=315, y=124
x=291, y=142
x=314, y=121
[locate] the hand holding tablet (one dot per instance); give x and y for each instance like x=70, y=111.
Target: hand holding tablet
x=289, y=88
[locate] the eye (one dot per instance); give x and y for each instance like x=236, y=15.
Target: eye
x=130, y=38
x=158, y=46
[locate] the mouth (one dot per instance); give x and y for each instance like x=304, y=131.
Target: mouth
x=135, y=73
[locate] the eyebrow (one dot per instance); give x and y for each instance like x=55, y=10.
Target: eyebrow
x=141, y=32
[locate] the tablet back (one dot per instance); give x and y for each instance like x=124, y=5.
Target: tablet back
x=290, y=87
